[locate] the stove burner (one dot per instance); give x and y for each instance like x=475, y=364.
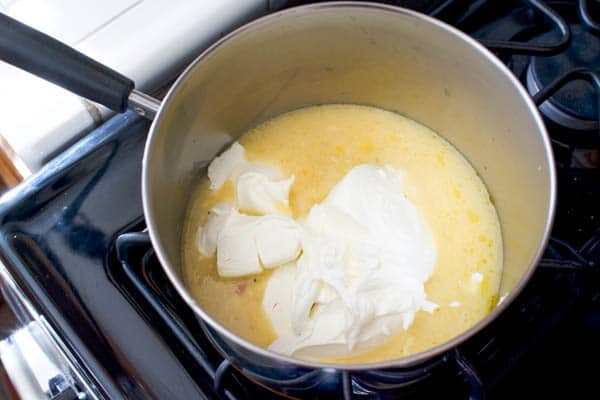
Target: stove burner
x=85, y=266
x=137, y=273
x=575, y=105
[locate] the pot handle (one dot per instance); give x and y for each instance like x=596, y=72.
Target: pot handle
x=48, y=58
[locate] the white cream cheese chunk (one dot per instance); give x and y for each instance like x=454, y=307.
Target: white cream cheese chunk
x=271, y=173
x=259, y=188
x=208, y=234
x=366, y=254
x=257, y=193
x=245, y=244
x=221, y=168
x=278, y=240
x=236, y=249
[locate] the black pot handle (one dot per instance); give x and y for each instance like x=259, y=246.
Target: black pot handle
x=41, y=55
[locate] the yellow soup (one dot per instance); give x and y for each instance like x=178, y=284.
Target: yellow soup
x=319, y=145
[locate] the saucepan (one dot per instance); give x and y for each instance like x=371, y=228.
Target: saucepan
x=339, y=52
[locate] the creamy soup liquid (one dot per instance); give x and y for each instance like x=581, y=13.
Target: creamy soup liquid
x=319, y=145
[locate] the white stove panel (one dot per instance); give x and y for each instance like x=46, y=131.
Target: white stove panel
x=146, y=40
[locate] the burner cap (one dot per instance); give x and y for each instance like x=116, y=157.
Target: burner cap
x=574, y=106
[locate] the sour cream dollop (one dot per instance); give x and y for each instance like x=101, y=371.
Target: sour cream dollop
x=367, y=253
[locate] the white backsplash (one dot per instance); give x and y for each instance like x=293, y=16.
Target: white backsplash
x=149, y=41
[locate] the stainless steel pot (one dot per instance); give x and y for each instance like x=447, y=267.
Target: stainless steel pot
x=350, y=52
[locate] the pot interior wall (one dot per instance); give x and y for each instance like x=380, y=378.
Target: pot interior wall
x=357, y=55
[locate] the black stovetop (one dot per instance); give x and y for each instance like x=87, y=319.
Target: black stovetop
x=72, y=237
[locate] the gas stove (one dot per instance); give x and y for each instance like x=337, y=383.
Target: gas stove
x=78, y=268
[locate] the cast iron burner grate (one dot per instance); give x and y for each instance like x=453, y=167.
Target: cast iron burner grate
x=553, y=48
x=562, y=276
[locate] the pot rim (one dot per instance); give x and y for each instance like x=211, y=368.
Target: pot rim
x=407, y=361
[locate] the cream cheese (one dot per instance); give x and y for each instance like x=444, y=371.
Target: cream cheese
x=257, y=193
x=259, y=187
x=246, y=244
x=222, y=167
x=209, y=233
